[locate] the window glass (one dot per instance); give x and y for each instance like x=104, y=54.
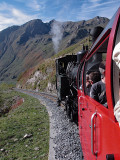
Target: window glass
x=94, y=77
x=80, y=72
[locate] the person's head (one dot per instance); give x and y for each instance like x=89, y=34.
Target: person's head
x=94, y=77
x=102, y=70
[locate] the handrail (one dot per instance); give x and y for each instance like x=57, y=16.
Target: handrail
x=79, y=105
x=92, y=133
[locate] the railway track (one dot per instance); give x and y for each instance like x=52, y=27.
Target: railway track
x=49, y=96
x=43, y=94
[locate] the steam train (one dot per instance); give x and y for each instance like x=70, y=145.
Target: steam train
x=66, y=84
x=98, y=128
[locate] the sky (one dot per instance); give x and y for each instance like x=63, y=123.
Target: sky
x=18, y=12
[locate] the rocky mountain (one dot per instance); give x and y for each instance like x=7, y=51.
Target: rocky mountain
x=25, y=46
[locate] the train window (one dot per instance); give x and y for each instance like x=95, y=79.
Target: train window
x=61, y=67
x=94, y=75
x=80, y=72
x=116, y=74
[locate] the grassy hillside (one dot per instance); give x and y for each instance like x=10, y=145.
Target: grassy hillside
x=47, y=69
x=24, y=131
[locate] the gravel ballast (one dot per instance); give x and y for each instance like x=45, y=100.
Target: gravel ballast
x=64, y=135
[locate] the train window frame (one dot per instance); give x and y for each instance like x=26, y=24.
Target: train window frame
x=115, y=72
x=99, y=51
x=80, y=73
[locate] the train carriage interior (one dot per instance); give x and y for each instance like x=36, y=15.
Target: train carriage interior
x=92, y=65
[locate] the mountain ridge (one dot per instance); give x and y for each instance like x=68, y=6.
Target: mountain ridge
x=25, y=46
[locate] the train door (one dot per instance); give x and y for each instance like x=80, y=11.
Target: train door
x=107, y=131
x=95, y=69
x=91, y=75
x=85, y=111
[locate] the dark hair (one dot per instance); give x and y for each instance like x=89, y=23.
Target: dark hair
x=102, y=65
x=95, y=76
x=102, y=69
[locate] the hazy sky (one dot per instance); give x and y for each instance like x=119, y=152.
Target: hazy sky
x=17, y=12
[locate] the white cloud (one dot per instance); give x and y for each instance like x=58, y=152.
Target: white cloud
x=35, y=5
x=11, y=16
x=64, y=10
x=95, y=1
x=99, y=4
x=97, y=8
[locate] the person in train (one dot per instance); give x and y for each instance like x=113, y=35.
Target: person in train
x=92, y=78
x=98, y=90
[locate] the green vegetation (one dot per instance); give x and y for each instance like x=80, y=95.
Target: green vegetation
x=24, y=131
x=47, y=68
x=1, y=100
x=5, y=86
x=42, y=85
x=5, y=102
x=74, y=48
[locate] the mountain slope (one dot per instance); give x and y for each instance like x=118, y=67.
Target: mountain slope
x=23, y=47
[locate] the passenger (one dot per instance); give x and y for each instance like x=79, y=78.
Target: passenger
x=98, y=90
x=88, y=84
x=93, y=78
x=116, y=58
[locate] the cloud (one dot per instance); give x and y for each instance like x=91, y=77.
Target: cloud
x=11, y=16
x=36, y=5
x=97, y=7
x=94, y=1
x=64, y=10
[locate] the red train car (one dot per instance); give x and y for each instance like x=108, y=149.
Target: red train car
x=98, y=128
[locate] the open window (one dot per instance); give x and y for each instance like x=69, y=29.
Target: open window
x=92, y=72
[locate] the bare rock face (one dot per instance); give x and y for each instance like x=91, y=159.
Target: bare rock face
x=18, y=86
x=51, y=88
x=37, y=76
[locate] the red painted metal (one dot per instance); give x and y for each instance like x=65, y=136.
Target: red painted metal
x=99, y=132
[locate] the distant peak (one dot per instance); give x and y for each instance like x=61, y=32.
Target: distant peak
x=98, y=17
x=36, y=20
x=33, y=22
